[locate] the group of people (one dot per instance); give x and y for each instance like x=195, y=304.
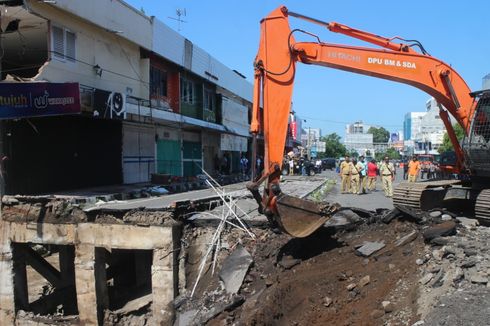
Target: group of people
x=359, y=176
x=413, y=169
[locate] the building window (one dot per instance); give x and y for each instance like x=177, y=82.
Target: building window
x=187, y=91
x=209, y=100
x=158, y=82
x=64, y=42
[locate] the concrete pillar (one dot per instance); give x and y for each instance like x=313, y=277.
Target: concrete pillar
x=21, y=294
x=101, y=281
x=7, y=305
x=85, y=284
x=162, y=286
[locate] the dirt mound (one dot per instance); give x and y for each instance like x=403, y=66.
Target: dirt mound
x=323, y=280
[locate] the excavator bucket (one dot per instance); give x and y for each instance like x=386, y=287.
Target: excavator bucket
x=300, y=217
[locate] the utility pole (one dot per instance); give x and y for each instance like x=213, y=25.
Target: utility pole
x=308, y=145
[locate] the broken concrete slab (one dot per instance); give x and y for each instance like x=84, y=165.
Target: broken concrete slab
x=364, y=213
x=435, y=214
x=407, y=238
x=446, y=217
x=368, y=248
x=411, y=213
x=234, y=269
x=469, y=263
x=343, y=219
x=219, y=308
x=479, y=278
x=426, y=278
x=467, y=222
x=387, y=306
x=364, y=281
x=437, y=280
x=186, y=318
x=327, y=301
x=135, y=305
x=388, y=216
x=444, y=229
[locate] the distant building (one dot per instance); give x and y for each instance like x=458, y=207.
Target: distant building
x=424, y=131
x=310, y=139
x=486, y=82
x=356, y=137
x=141, y=99
x=412, y=125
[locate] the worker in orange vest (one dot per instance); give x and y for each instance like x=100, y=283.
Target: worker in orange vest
x=413, y=169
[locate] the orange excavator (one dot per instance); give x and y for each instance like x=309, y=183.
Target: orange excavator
x=396, y=59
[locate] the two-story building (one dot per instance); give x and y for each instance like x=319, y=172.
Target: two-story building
x=150, y=101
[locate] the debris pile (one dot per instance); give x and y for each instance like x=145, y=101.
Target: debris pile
x=457, y=261
x=349, y=271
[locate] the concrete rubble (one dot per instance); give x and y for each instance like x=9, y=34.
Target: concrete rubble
x=369, y=248
x=234, y=269
x=367, y=261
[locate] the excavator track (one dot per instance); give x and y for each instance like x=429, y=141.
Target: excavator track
x=422, y=195
x=482, y=205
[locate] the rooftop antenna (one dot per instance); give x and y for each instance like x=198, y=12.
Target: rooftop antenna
x=180, y=13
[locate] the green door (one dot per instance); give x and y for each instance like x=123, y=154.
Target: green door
x=168, y=157
x=192, y=158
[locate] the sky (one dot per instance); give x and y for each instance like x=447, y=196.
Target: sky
x=456, y=32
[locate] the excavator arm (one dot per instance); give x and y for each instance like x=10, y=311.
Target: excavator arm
x=275, y=67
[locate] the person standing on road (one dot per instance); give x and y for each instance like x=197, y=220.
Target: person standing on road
x=362, y=167
x=244, y=164
x=405, y=170
x=345, y=175
x=432, y=171
x=291, y=166
x=387, y=171
x=413, y=169
x=372, y=170
x=354, y=175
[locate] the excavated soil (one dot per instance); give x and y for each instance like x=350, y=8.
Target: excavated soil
x=315, y=290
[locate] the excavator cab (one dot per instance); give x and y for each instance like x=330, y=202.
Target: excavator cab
x=477, y=144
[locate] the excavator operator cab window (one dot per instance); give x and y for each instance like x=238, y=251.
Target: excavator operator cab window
x=481, y=125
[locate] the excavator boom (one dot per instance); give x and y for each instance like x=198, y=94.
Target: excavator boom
x=275, y=68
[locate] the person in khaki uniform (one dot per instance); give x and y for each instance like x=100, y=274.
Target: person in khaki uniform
x=355, y=178
x=345, y=175
x=387, y=172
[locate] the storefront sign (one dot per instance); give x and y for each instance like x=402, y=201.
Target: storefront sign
x=24, y=100
x=294, y=129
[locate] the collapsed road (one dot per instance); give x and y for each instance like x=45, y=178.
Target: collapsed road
x=371, y=264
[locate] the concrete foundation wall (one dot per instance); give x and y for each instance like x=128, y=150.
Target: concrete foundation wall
x=88, y=239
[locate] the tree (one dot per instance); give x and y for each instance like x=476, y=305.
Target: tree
x=392, y=153
x=333, y=146
x=380, y=135
x=353, y=153
x=446, y=142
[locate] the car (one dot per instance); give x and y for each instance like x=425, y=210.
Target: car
x=328, y=163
